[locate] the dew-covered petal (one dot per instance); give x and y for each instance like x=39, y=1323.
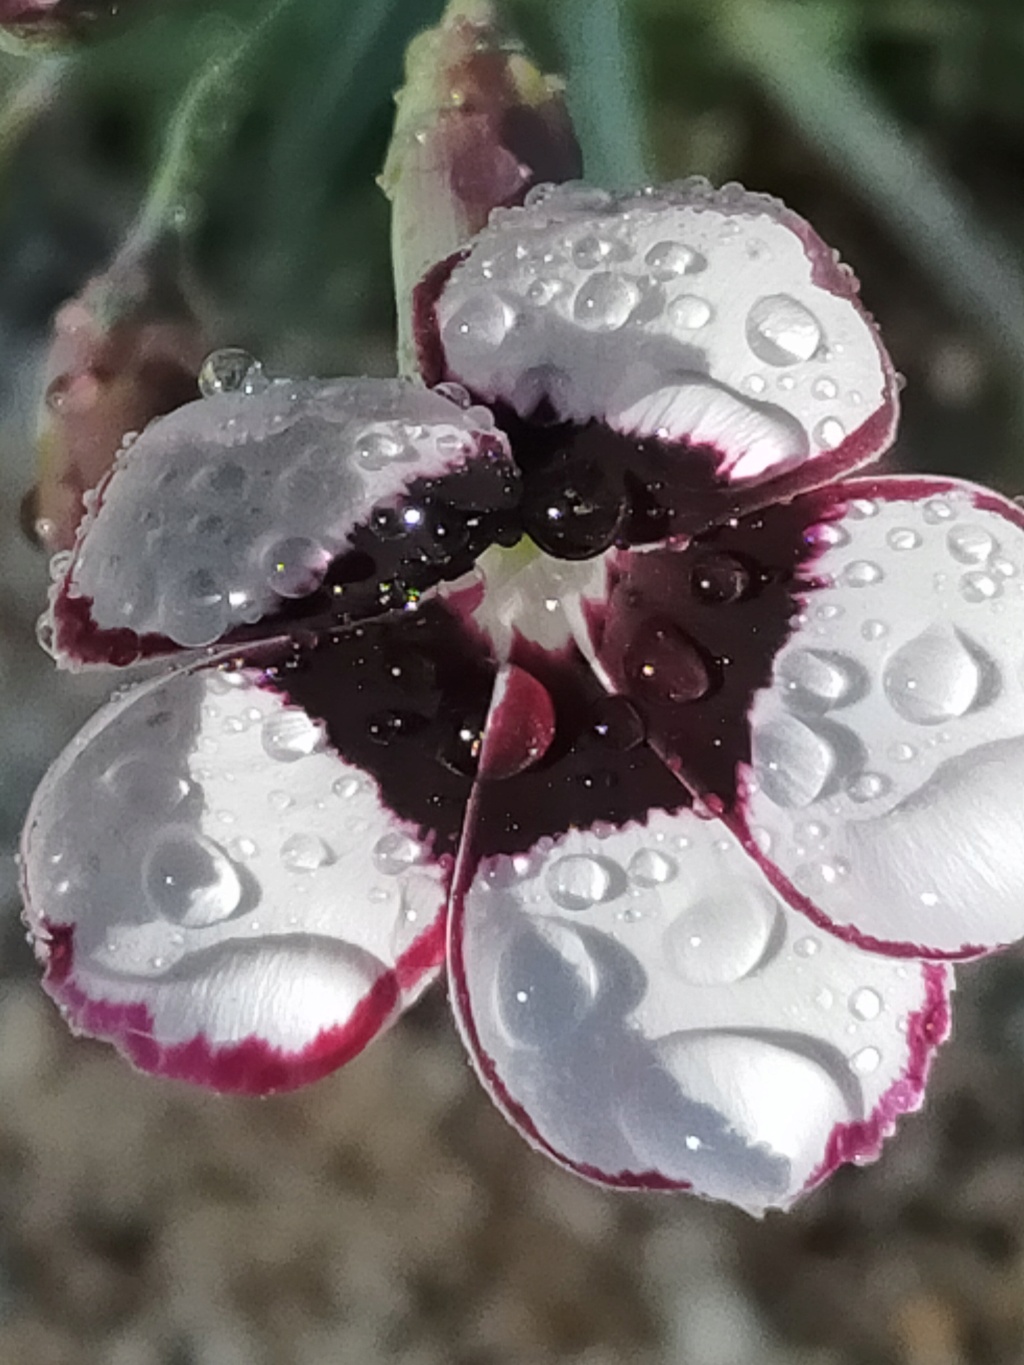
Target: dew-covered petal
x=712, y=320
x=888, y=751
x=841, y=678
x=322, y=498
x=643, y=1006
x=239, y=876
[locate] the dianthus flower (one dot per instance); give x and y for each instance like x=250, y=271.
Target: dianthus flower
x=577, y=666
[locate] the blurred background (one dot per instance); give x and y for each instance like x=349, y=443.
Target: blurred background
x=387, y=1214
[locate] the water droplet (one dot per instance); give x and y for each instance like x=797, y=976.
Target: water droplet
x=867, y=787
x=970, y=544
x=792, y=763
x=806, y=947
x=578, y=882
x=243, y=848
x=195, y=608
x=874, y=630
x=279, y=800
x=978, y=586
x=814, y=681
x=395, y=853
x=667, y=259
x=455, y=393
x=347, y=787
x=829, y=433
x=781, y=331
x=936, y=511
x=862, y=573
x=231, y=370
x=145, y=784
x=755, y=383
x=187, y=878
x=689, y=312
x=860, y=509
x=605, y=302
x=378, y=447
x=290, y=734
x=902, y=538
x=591, y=251
x=305, y=853
x=865, y=1004
x=827, y=535
x=543, y=291
x=723, y=937
x=649, y=867
x=932, y=678
x=666, y=665
x=719, y=578
x=867, y=1060
x=295, y=566
x=824, y=388
x=483, y=320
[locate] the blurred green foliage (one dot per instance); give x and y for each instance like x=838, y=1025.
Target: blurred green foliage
x=895, y=125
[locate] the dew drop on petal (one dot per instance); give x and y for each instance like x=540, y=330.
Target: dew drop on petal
x=290, y=734
x=187, y=879
x=395, y=853
x=578, y=882
x=829, y=433
x=781, y=331
x=650, y=867
x=689, y=312
x=665, y=665
x=305, y=853
x=979, y=586
x=866, y=1061
x=932, y=678
x=375, y=449
x=867, y=787
x=814, y=681
x=865, y=1004
x=294, y=566
x=903, y=538
x=231, y=370
x=667, y=259
x=970, y=544
x=862, y=573
x=482, y=320
x=722, y=938
x=605, y=302
x=792, y=763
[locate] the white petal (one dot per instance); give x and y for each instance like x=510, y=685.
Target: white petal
x=646, y=1010
x=216, y=891
x=234, y=506
x=712, y=318
x=888, y=750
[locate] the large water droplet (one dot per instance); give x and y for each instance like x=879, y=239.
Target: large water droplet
x=667, y=259
x=689, y=312
x=719, y=578
x=231, y=370
x=578, y=882
x=814, y=681
x=605, y=302
x=665, y=665
x=591, y=251
x=864, y=1062
x=862, y=573
x=970, y=544
x=792, y=763
x=781, y=331
x=865, y=1004
x=290, y=734
x=295, y=566
x=829, y=433
x=195, y=609
x=483, y=320
x=903, y=538
x=933, y=678
x=395, y=853
x=723, y=937
x=978, y=586
x=546, y=984
x=651, y=867
x=305, y=853
x=377, y=448
x=145, y=784
x=187, y=878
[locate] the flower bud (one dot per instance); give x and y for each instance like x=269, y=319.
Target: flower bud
x=477, y=126
x=124, y=351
